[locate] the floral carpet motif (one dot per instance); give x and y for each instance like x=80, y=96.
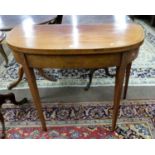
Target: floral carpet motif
x=82, y=120
x=62, y=133
x=142, y=73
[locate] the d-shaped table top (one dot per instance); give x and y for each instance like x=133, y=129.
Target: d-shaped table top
x=80, y=39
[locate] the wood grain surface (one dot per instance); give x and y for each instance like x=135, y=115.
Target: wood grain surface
x=80, y=39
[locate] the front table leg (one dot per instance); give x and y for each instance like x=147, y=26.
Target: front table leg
x=120, y=73
x=34, y=90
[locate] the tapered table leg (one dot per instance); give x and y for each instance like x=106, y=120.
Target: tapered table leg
x=128, y=68
x=34, y=90
x=20, y=76
x=120, y=73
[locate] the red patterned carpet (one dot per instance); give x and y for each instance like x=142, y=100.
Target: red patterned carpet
x=81, y=120
x=70, y=132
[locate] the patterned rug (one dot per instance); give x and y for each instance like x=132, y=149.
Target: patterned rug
x=82, y=120
x=142, y=74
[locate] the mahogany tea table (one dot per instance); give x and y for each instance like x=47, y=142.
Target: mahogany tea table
x=76, y=46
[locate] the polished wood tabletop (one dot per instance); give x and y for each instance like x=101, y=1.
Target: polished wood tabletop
x=7, y=22
x=80, y=39
x=76, y=46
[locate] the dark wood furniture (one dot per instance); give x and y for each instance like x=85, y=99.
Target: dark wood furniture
x=12, y=99
x=81, y=46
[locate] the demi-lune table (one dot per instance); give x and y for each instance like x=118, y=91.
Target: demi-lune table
x=76, y=46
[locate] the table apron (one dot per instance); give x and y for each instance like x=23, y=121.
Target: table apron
x=75, y=61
